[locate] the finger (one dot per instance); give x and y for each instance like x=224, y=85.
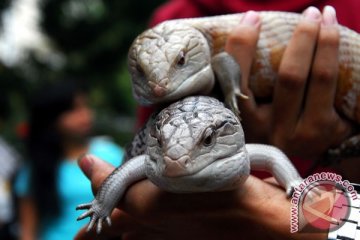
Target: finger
x=293, y=72
x=95, y=169
x=323, y=81
x=241, y=44
x=271, y=180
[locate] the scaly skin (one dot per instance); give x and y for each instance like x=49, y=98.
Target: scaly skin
x=194, y=145
x=173, y=59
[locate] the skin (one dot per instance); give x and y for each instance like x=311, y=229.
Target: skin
x=305, y=125
x=74, y=126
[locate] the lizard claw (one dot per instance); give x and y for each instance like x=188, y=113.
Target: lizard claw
x=97, y=213
x=231, y=101
x=241, y=95
x=84, y=206
x=291, y=187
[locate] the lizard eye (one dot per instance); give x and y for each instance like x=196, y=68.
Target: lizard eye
x=181, y=59
x=158, y=125
x=159, y=142
x=208, y=139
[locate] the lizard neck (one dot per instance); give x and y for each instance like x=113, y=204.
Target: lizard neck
x=216, y=29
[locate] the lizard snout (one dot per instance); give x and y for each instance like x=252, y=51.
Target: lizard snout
x=157, y=89
x=177, y=167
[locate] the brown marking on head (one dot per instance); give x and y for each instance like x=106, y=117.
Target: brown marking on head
x=217, y=37
x=219, y=41
x=263, y=85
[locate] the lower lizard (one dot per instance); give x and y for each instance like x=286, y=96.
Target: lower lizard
x=193, y=145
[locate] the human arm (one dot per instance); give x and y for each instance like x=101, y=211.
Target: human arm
x=28, y=219
x=148, y=212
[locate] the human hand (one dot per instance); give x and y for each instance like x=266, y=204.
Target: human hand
x=146, y=212
x=301, y=119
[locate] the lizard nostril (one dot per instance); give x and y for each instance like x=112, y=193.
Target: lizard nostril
x=175, y=167
x=164, y=82
x=157, y=89
x=187, y=161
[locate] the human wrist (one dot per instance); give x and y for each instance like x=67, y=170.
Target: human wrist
x=265, y=204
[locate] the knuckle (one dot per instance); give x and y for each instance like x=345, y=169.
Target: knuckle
x=305, y=136
x=318, y=122
x=307, y=29
x=330, y=38
x=290, y=78
x=323, y=124
x=242, y=36
x=279, y=138
x=329, y=119
x=324, y=75
x=277, y=141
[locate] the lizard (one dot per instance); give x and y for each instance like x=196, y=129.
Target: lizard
x=183, y=57
x=194, y=145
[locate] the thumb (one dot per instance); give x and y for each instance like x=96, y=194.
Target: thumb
x=95, y=169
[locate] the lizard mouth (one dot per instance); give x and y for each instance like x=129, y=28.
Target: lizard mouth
x=218, y=175
x=201, y=82
x=180, y=168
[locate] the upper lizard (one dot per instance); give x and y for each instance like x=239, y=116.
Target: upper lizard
x=183, y=57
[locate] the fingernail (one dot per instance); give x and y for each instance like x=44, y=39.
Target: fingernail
x=86, y=163
x=312, y=13
x=251, y=18
x=329, y=16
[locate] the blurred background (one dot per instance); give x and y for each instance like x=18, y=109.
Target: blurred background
x=44, y=42
x=48, y=40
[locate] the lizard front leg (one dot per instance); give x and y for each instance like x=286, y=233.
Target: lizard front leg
x=112, y=190
x=271, y=159
x=228, y=74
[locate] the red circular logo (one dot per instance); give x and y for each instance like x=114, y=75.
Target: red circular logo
x=325, y=205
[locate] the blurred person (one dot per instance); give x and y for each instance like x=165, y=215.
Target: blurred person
x=9, y=161
x=259, y=210
x=51, y=185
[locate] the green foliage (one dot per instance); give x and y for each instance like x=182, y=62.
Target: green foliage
x=94, y=37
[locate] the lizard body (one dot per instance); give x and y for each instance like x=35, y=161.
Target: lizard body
x=176, y=59
x=194, y=145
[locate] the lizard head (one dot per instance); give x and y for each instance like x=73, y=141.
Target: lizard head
x=194, y=140
x=168, y=62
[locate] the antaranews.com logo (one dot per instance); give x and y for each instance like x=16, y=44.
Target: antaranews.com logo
x=321, y=201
